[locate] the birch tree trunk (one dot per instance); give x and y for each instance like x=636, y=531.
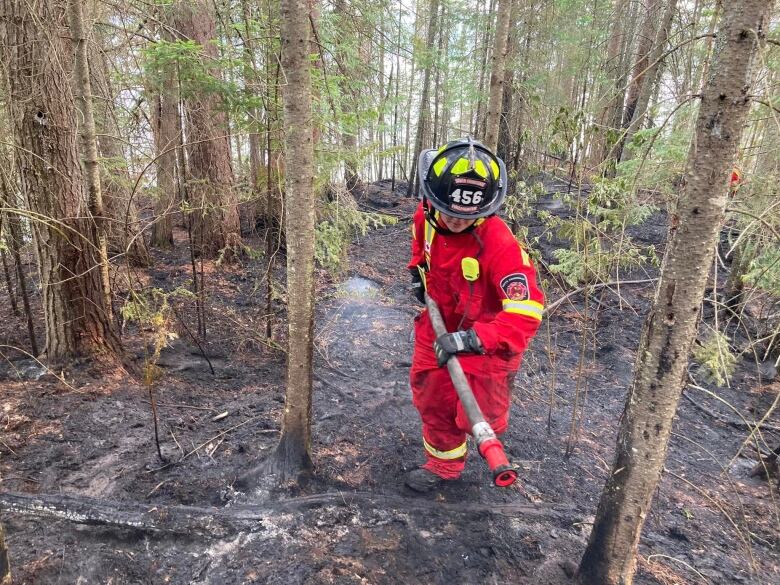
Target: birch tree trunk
x=670, y=329
x=76, y=313
x=497, y=74
x=292, y=454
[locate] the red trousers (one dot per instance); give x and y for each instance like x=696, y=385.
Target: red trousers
x=444, y=423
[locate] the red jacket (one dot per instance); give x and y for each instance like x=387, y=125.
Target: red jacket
x=504, y=305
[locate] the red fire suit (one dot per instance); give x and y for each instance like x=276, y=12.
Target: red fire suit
x=504, y=307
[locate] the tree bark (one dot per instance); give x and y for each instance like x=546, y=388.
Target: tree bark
x=423, y=122
x=670, y=329
x=292, y=454
x=77, y=316
x=212, y=195
x=497, y=74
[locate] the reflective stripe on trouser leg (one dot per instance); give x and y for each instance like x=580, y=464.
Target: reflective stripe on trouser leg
x=447, y=464
x=455, y=453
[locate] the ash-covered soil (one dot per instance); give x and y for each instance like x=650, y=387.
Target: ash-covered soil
x=87, y=433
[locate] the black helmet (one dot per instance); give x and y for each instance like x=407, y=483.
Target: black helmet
x=463, y=179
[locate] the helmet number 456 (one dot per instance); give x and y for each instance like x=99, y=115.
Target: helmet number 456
x=466, y=197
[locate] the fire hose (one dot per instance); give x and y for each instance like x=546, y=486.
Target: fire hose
x=489, y=446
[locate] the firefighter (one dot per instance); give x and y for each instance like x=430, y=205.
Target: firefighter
x=470, y=263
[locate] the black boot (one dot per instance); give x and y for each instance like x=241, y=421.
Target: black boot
x=421, y=480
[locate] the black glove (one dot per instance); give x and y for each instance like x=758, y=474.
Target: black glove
x=418, y=286
x=449, y=344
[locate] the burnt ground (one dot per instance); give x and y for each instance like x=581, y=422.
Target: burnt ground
x=87, y=432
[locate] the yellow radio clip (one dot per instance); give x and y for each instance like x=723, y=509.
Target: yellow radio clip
x=470, y=268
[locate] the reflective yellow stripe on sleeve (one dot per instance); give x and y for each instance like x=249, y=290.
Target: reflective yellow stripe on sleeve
x=455, y=453
x=430, y=232
x=527, y=308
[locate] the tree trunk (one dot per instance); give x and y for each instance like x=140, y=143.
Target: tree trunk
x=615, y=109
x=650, y=78
x=73, y=273
x=9, y=282
x=670, y=329
x=506, y=122
x=5, y=565
x=423, y=122
x=122, y=226
x=89, y=145
x=497, y=74
x=15, y=243
x=601, y=146
x=520, y=131
x=165, y=111
x=645, y=44
x=395, y=105
x=478, y=128
x=212, y=195
x=292, y=454
x=444, y=35
x=702, y=77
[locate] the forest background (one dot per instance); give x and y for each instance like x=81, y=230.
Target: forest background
x=132, y=130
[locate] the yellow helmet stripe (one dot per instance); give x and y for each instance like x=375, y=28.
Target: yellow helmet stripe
x=460, y=167
x=439, y=166
x=479, y=168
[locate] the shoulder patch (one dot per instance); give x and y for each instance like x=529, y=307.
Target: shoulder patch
x=515, y=286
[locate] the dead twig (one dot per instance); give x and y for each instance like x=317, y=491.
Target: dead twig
x=214, y=438
x=555, y=304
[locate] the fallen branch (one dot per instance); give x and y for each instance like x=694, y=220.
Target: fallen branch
x=220, y=523
x=731, y=421
x=179, y=520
